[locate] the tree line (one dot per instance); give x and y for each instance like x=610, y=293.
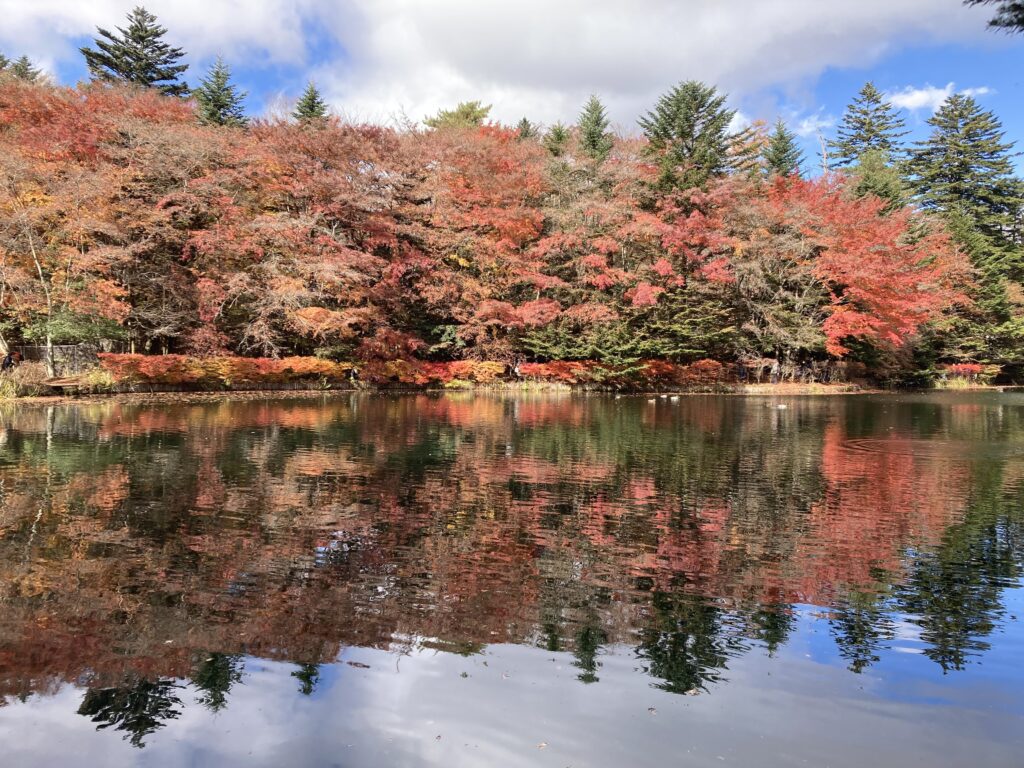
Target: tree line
x=137, y=208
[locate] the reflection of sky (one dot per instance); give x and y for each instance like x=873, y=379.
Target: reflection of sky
x=419, y=710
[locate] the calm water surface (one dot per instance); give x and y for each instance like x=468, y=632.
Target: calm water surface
x=514, y=581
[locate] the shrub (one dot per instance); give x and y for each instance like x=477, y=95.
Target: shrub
x=220, y=372
x=25, y=380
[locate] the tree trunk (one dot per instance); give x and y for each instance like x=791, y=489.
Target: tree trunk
x=50, y=370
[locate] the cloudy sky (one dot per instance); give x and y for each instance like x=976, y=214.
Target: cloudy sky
x=382, y=59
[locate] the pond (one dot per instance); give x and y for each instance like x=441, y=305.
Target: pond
x=498, y=580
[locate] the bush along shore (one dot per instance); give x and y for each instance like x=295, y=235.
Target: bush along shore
x=127, y=373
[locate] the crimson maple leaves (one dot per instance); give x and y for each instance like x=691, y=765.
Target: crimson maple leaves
x=361, y=242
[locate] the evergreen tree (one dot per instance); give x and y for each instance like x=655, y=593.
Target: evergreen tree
x=1009, y=13
x=875, y=175
x=595, y=140
x=782, y=156
x=138, y=55
x=311, y=106
x=869, y=122
x=218, y=100
x=23, y=70
x=4, y=61
x=966, y=166
x=526, y=130
x=964, y=171
x=556, y=139
x=465, y=115
x=689, y=128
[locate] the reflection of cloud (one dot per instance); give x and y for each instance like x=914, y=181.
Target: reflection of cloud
x=812, y=125
x=930, y=97
x=393, y=714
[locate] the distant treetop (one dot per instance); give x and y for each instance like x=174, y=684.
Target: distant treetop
x=137, y=54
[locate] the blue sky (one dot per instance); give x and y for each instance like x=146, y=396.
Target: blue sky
x=388, y=60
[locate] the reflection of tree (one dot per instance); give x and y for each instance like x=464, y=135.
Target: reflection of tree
x=772, y=624
x=309, y=677
x=288, y=529
x=138, y=709
x=215, y=676
x=955, y=594
x=862, y=627
x=589, y=640
x=686, y=645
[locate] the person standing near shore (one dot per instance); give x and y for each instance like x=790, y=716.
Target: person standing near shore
x=10, y=361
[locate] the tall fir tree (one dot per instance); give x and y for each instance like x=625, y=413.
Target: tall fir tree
x=964, y=171
x=137, y=54
x=689, y=129
x=218, y=100
x=1009, y=14
x=311, y=106
x=24, y=70
x=965, y=165
x=870, y=122
x=595, y=140
x=782, y=156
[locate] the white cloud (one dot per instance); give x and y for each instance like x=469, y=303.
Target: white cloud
x=534, y=57
x=929, y=96
x=812, y=125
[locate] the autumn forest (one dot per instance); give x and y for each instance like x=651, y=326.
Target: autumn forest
x=154, y=219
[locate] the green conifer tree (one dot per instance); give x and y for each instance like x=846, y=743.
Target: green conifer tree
x=137, y=54
x=1009, y=14
x=218, y=100
x=526, y=131
x=964, y=172
x=311, y=107
x=556, y=139
x=595, y=140
x=689, y=129
x=966, y=166
x=782, y=156
x=875, y=175
x=870, y=122
x=24, y=70
x=465, y=115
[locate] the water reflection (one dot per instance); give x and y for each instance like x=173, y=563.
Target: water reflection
x=151, y=553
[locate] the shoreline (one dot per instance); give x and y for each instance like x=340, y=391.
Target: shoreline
x=740, y=390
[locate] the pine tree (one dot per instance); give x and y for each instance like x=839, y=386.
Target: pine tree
x=218, y=100
x=782, y=156
x=966, y=166
x=870, y=122
x=526, y=131
x=311, y=106
x=23, y=70
x=964, y=171
x=138, y=55
x=689, y=128
x=1009, y=13
x=556, y=139
x=595, y=140
x=875, y=175
x=465, y=115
